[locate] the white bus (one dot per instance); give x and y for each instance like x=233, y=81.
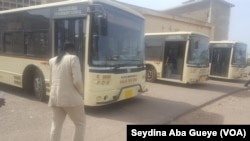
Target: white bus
x=228, y=59
x=180, y=57
x=109, y=38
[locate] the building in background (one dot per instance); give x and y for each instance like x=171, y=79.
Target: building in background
x=50, y=1
x=11, y=4
x=159, y=21
x=216, y=12
x=210, y=17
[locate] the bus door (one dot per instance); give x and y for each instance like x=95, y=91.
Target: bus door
x=174, y=60
x=220, y=61
x=71, y=30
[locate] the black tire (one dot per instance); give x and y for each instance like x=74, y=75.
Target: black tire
x=39, y=88
x=150, y=74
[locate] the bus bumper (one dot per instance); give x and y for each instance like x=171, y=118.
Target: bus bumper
x=200, y=79
x=116, y=95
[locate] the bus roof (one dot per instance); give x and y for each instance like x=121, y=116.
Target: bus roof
x=62, y=3
x=175, y=33
x=227, y=42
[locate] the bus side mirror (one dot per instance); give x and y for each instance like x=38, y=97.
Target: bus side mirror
x=99, y=18
x=102, y=25
x=248, y=62
x=196, y=44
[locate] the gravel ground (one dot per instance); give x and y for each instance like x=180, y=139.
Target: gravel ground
x=233, y=109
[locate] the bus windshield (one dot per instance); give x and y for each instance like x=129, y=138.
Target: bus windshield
x=124, y=42
x=239, y=54
x=198, y=54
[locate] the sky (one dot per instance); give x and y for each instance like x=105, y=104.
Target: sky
x=239, y=21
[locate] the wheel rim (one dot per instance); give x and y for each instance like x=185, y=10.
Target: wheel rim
x=37, y=87
x=149, y=75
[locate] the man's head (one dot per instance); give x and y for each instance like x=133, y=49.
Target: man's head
x=70, y=48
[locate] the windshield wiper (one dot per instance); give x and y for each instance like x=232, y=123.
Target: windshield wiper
x=133, y=60
x=116, y=67
x=114, y=58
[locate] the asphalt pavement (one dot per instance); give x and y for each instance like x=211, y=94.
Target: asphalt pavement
x=21, y=118
x=230, y=109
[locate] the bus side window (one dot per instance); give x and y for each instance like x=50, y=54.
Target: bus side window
x=18, y=43
x=1, y=43
x=13, y=43
x=36, y=44
x=8, y=43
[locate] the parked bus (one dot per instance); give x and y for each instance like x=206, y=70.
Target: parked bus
x=109, y=39
x=180, y=57
x=228, y=59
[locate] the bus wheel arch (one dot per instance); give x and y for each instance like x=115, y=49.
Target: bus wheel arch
x=34, y=83
x=151, y=73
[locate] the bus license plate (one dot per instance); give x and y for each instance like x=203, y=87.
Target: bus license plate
x=128, y=93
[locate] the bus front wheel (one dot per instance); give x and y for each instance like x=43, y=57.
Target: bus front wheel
x=150, y=74
x=39, y=85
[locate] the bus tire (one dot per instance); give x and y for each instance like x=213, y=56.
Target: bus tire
x=38, y=84
x=150, y=74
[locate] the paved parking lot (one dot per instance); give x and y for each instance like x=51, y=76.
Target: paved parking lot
x=25, y=119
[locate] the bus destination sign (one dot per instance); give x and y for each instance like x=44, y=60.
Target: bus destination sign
x=70, y=11
x=176, y=37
